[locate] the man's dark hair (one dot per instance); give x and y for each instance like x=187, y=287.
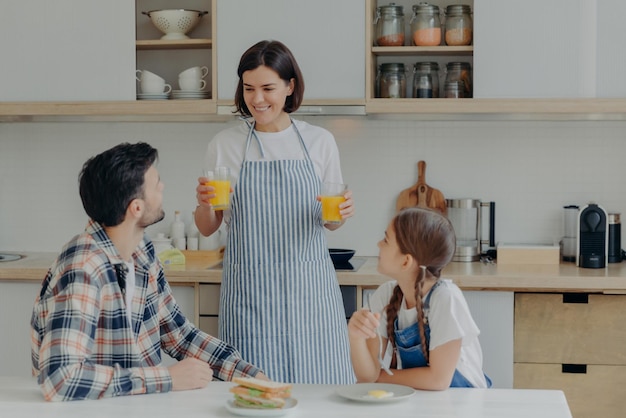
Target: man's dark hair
x=111, y=180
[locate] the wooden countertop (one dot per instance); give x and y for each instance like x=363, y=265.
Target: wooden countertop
x=565, y=277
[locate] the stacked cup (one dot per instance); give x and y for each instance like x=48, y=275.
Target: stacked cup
x=192, y=79
x=152, y=84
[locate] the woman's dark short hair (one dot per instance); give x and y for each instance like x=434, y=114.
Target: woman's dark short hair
x=111, y=180
x=274, y=55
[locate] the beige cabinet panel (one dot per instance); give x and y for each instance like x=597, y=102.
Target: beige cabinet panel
x=547, y=330
x=597, y=393
x=209, y=299
x=209, y=324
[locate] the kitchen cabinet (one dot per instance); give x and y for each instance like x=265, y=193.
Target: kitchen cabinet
x=67, y=50
x=407, y=55
x=573, y=342
x=325, y=36
x=610, y=60
x=168, y=58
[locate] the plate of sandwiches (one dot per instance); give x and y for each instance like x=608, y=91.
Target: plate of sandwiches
x=260, y=398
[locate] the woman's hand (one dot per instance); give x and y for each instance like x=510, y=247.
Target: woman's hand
x=204, y=193
x=346, y=210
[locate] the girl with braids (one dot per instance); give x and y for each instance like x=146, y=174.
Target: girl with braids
x=429, y=338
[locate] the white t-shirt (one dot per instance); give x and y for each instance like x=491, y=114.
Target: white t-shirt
x=227, y=149
x=449, y=319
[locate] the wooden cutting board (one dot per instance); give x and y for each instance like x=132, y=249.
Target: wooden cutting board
x=421, y=194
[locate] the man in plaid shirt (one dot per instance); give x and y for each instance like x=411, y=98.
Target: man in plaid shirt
x=105, y=310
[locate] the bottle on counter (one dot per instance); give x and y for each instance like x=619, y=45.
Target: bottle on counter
x=389, y=25
x=193, y=234
x=177, y=232
x=426, y=25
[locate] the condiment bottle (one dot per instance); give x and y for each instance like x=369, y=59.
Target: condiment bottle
x=392, y=80
x=389, y=22
x=460, y=71
x=458, y=25
x=426, y=25
x=177, y=231
x=431, y=70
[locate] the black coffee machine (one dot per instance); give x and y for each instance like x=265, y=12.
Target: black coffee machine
x=592, y=243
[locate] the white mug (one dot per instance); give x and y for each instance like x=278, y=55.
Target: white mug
x=194, y=72
x=147, y=75
x=155, y=87
x=191, y=84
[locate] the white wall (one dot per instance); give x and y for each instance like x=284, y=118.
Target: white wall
x=530, y=169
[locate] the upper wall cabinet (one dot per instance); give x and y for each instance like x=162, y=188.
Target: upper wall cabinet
x=325, y=36
x=549, y=49
x=67, y=50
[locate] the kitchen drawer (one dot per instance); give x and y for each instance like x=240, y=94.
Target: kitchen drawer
x=209, y=303
x=597, y=393
x=209, y=325
x=570, y=328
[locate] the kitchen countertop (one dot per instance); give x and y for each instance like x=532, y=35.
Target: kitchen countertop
x=21, y=397
x=564, y=277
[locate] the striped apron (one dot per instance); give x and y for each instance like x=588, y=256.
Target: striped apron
x=280, y=302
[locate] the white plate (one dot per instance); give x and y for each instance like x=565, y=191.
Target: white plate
x=359, y=392
x=290, y=405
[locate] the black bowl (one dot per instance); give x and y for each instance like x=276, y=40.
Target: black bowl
x=340, y=255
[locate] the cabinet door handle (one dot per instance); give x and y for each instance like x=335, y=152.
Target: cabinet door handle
x=575, y=297
x=574, y=368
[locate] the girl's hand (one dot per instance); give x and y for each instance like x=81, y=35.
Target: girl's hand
x=363, y=324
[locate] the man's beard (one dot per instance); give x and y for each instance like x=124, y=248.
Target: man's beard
x=147, y=221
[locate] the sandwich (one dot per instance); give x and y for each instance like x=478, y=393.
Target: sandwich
x=260, y=394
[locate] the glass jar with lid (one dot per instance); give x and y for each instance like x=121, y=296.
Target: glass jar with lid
x=389, y=25
x=426, y=25
x=459, y=27
x=454, y=90
x=460, y=71
x=426, y=79
x=391, y=81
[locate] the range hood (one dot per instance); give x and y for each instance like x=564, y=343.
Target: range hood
x=342, y=108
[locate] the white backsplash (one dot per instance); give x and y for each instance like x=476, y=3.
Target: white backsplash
x=530, y=169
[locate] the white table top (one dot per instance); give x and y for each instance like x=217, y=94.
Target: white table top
x=21, y=397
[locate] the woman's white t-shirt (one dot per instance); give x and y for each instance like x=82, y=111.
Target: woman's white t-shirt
x=449, y=319
x=228, y=147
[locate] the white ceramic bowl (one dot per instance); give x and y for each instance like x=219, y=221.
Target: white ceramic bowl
x=175, y=23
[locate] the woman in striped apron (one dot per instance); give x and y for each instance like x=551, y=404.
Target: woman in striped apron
x=280, y=301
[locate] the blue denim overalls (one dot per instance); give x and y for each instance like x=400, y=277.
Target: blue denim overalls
x=409, y=347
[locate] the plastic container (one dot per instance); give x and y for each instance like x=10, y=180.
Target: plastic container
x=459, y=25
x=426, y=25
x=177, y=229
x=389, y=22
x=391, y=81
x=422, y=72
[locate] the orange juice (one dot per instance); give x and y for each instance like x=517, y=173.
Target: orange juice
x=330, y=209
x=221, y=200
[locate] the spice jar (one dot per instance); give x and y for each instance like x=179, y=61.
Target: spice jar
x=391, y=81
x=424, y=73
x=454, y=90
x=460, y=71
x=458, y=25
x=426, y=25
x=389, y=21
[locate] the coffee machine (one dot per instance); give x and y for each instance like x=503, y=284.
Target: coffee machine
x=592, y=242
x=466, y=218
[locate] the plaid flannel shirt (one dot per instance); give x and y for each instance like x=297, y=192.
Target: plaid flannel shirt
x=82, y=344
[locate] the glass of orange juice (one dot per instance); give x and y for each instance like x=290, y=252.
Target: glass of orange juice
x=220, y=180
x=332, y=197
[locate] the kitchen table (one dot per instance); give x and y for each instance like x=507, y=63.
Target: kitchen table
x=21, y=397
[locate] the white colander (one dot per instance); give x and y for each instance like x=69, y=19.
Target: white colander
x=175, y=23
